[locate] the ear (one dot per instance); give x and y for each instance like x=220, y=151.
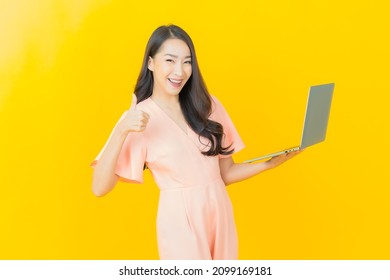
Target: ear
x=150, y=64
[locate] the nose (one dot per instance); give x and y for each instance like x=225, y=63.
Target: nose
x=178, y=71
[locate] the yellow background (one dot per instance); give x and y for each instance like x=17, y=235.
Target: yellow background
x=67, y=71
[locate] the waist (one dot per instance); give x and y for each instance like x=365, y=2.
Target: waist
x=175, y=186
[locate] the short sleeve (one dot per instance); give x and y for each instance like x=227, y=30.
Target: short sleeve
x=231, y=136
x=131, y=159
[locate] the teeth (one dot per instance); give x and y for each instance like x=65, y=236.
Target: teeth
x=175, y=81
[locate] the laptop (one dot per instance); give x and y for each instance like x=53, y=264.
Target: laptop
x=316, y=119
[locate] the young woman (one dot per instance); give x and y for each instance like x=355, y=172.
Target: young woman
x=186, y=139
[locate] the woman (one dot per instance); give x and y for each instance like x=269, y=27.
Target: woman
x=186, y=138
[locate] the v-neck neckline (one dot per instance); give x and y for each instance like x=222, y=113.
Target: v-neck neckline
x=172, y=120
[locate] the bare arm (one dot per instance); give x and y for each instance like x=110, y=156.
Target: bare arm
x=104, y=178
x=232, y=172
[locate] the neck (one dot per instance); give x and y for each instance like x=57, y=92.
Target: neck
x=166, y=100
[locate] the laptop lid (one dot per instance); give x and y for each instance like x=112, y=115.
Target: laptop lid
x=317, y=114
x=316, y=119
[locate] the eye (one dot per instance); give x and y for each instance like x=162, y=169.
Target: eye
x=188, y=62
x=169, y=60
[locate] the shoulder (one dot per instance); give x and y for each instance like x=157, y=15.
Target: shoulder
x=216, y=105
x=214, y=100
x=144, y=104
x=218, y=111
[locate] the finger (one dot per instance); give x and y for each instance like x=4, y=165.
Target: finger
x=142, y=115
x=146, y=115
x=293, y=154
x=133, y=102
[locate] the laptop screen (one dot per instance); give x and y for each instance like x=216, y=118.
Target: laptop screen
x=317, y=114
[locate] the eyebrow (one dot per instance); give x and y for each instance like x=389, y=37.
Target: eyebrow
x=175, y=56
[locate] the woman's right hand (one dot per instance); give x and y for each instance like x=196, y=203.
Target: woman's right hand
x=104, y=176
x=134, y=120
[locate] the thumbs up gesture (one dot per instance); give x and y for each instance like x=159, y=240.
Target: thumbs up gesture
x=134, y=120
x=133, y=102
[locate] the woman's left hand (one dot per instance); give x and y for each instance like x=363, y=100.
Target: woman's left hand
x=278, y=160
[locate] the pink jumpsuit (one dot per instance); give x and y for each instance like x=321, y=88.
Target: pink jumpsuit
x=195, y=217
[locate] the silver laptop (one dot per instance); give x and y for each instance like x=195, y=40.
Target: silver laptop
x=316, y=119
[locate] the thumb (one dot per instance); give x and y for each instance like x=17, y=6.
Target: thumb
x=133, y=102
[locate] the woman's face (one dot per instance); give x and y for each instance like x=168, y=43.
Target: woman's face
x=171, y=67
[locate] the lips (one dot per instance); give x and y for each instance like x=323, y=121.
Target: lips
x=175, y=83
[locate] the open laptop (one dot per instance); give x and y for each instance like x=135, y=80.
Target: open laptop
x=316, y=119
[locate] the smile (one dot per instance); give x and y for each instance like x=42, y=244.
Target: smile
x=175, y=83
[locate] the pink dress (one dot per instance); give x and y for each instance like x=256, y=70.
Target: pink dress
x=195, y=217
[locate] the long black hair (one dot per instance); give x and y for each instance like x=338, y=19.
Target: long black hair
x=194, y=98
